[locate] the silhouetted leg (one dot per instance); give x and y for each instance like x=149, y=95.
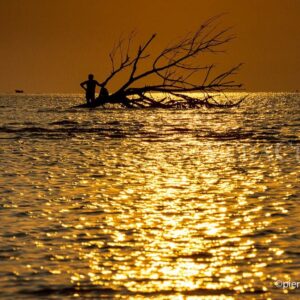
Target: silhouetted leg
x=90, y=99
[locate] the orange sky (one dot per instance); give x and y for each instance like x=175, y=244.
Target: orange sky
x=51, y=45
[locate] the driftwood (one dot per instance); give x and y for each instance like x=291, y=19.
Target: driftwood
x=176, y=77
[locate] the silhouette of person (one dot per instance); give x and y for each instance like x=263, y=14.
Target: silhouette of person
x=90, y=87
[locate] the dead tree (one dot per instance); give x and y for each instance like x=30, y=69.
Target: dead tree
x=177, y=77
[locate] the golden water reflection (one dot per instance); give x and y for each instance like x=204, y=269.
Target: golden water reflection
x=186, y=229
x=138, y=218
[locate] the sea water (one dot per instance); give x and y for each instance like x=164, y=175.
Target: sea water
x=149, y=203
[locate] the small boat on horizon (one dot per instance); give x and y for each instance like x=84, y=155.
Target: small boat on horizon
x=19, y=91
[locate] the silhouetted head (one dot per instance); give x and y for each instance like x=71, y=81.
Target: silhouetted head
x=91, y=76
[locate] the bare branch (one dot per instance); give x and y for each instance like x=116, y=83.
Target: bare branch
x=179, y=69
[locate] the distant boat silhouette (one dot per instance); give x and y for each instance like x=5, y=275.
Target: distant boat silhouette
x=19, y=91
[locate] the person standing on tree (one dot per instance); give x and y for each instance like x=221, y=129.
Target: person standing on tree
x=90, y=87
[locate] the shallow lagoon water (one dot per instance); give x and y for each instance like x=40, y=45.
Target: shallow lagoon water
x=149, y=204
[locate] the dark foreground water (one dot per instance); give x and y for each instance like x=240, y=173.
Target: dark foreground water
x=149, y=204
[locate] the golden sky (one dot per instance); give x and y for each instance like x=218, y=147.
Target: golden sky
x=51, y=45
